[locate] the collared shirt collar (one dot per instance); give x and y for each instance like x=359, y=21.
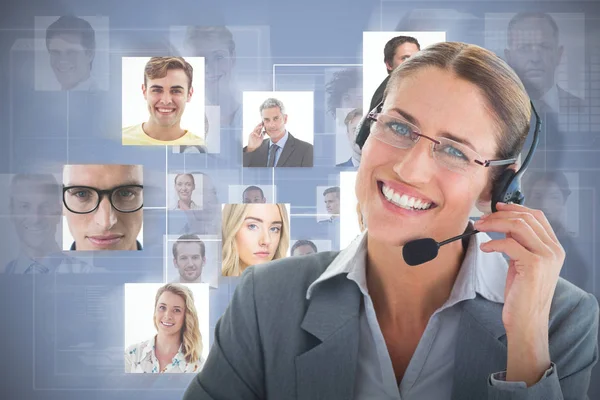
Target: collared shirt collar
x=551, y=99
x=480, y=273
x=282, y=141
x=150, y=349
x=23, y=262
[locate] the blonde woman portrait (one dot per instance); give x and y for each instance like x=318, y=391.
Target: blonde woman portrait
x=177, y=345
x=465, y=324
x=253, y=234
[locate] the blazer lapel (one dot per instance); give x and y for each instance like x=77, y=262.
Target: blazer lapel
x=327, y=371
x=262, y=157
x=287, y=150
x=480, y=350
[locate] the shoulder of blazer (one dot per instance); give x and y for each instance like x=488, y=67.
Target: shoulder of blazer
x=297, y=142
x=277, y=279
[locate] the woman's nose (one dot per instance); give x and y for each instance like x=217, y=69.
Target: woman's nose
x=265, y=238
x=416, y=165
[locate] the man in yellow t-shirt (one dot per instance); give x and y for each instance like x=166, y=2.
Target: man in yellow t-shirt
x=167, y=88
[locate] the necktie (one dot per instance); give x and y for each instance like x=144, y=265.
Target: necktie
x=271, y=159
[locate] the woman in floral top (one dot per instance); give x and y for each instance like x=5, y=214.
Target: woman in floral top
x=177, y=346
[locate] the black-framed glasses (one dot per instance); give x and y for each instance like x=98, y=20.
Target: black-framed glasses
x=86, y=199
x=450, y=154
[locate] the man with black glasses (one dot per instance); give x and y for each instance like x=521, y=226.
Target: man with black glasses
x=103, y=206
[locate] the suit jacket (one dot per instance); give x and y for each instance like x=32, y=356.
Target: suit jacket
x=378, y=95
x=272, y=343
x=295, y=153
x=570, y=104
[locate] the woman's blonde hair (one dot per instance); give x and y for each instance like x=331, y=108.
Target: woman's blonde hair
x=191, y=339
x=504, y=94
x=233, y=218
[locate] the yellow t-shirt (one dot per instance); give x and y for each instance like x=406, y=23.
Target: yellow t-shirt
x=135, y=135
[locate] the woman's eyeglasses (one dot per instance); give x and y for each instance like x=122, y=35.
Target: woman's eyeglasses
x=86, y=199
x=448, y=153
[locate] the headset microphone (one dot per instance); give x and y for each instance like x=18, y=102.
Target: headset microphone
x=420, y=251
x=506, y=189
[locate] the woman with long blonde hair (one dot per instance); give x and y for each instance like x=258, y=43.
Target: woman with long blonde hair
x=253, y=234
x=177, y=346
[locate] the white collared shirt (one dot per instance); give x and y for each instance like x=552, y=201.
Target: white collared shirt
x=551, y=99
x=193, y=206
x=429, y=374
x=141, y=358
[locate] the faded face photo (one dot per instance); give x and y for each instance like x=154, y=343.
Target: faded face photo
x=184, y=186
x=189, y=260
x=351, y=130
x=533, y=52
x=332, y=203
x=167, y=97
x=35, y=211
x=219, y=63
x=69, y=59
x=548, y=197
x=205, y=217
x=103, y=206
x=352, y=98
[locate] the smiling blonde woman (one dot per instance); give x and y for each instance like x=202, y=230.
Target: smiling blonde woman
x=177, y=346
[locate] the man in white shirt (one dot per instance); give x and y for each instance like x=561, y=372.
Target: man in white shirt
x=71, y=44
x=331, y=197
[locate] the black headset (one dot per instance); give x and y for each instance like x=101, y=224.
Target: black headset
x=506, y=189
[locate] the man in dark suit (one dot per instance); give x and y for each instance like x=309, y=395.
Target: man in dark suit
x=351, y=121
x=281, y=149
x=396, y=51
x=534, y=53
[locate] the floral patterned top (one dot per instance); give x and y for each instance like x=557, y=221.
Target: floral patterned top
x=141, y=358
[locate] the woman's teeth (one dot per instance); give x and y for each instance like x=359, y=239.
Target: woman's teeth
x=404, y=201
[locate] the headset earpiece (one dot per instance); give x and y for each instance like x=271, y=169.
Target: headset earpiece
x=507, y=189
x=363, y=129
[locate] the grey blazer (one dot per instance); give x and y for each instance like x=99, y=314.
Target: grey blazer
x=295, y=153
x=272, y=343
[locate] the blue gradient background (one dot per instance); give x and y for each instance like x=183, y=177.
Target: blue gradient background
x=62, y=335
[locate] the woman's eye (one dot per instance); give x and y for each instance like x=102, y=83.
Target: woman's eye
x=275, y=229
x=400, y=128
x=252, y=227
x=454, y=152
